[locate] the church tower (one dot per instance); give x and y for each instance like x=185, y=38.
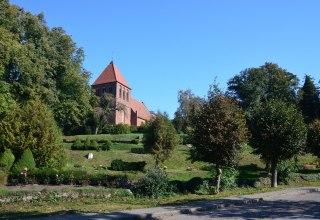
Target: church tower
x=111, y=81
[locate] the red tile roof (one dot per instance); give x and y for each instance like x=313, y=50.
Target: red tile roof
x=140, y=108
x=111, y=74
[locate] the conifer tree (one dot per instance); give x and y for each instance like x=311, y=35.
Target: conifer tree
x=309, y=100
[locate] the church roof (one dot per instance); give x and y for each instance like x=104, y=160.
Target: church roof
x=140, y=108
x=111, y=74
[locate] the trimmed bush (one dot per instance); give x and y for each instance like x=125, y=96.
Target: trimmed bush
x=106, y=145
x=26, y=161
x=134, y=141
x=6, y=160
x=120, y=165
x=137, y=150
x=154, y=185
x=77, y=145
x=117, y=129
x=86, y=144
x=94, y=145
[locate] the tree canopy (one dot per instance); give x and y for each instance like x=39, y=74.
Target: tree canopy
x=220, y=131
x=254, y=86
x=44, y=63
x=160, y=138
x=278, y=133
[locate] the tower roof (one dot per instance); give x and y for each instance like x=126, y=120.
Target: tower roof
x=111, y=74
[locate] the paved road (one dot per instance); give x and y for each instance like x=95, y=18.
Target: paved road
x=282, y=206
x=299, y=203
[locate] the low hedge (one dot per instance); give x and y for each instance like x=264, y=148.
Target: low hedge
x=137, y=150
x=71, y=177
x=120, y=165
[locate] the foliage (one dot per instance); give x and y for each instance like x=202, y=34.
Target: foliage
x=137, y=150
x=189, y=106
x=309, y=102
x=94, y=145
x=278, y=133
x=254, y=86
x=219, y=132
x=6, y=160
x=160, y=138
x=229, y=178
x=42, y=62
x=26, y=161
x=154, y=185
x=117, y=129
x=106, y=145
x=286, y=170
x=104, y=114
x=86, y=144
x=313, y=138
x=120, y=165
x=77, y=145
x=34, y=127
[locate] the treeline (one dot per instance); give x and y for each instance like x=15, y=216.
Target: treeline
x=262, y=106
x=44, y=88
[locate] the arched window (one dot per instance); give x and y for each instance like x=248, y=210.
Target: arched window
x=124, y=95
x=120, y=92
x=127, y=96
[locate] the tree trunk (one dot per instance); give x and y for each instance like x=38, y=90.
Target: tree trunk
x=274, y=176
x=97, y=129
x=218, y=178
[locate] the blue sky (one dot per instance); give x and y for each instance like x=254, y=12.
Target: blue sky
x=168, y=45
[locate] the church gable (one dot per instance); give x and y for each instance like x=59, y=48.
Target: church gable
x=112, y=81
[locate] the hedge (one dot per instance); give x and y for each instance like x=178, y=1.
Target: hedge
x=137, y=150
x=120, y=165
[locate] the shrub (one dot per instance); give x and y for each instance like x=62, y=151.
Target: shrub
x=229, y=178
x=106, y=146
x=77, y=145
x=86, y=145
x=26, y=161
x=154, y=185
x=193, y=184
x=6, y=160
x=137, y=150
x=94, y=145
x=134, y=141
x=120, y=165
x=286, y=171
x=117, y=129
x=133, y=129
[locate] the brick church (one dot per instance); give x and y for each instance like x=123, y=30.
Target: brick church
x=112, y=81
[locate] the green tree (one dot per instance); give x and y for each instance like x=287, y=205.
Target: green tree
x=254, y=86
x=313, y=138
x=278, y=133
x=104, y=112
x=26, y=161
x=6, y=160
x=189, y=106
x=219, y=133
x=309, y=100
x=39, y=62
x=160, y=138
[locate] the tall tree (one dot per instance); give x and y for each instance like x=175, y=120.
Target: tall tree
x=39, y=62
x=278, y=133
x=219, y=133
x=189, y=106
x=160, y=138
x=313, y=138
x=254, y=86
x=309, y=100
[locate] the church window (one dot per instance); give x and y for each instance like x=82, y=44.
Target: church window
x=124, y=95
x=120, y=92
x=110, y=90
x=127, y=96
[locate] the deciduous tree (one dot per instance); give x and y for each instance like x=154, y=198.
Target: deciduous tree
x=219, y=133
x=278, y=133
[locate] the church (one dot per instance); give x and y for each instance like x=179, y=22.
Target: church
x=111, y=81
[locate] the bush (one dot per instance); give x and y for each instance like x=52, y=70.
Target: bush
x=86, y=145
x=120, y=165
x=94, y=145
x=134, y=141
x=286, y=171
x=77, y=145
x=106, y=146
x=26, y=161
x=229, y=178
x=117, y=129
x=137, y=150
x=6, y=160
x=154, y=185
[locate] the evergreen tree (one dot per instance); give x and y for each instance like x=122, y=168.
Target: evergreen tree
x=309, y=100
